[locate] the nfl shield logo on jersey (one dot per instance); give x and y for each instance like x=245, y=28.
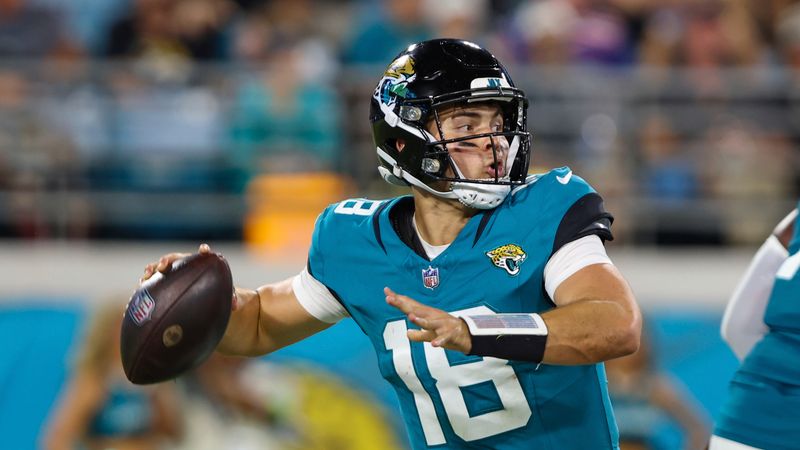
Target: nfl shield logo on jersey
x=430, y=277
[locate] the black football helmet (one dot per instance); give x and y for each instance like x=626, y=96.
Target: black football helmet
x=422, y=79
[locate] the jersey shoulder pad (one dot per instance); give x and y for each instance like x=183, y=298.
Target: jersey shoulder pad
x=558, y=186
x=349, y=215
x=346, y=221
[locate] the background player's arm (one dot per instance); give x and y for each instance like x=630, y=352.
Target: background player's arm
x=785, y=229
x=743, y=322
x=597, y=318
x=267, y=319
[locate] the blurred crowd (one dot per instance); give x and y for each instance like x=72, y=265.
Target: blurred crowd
x=115, y=115
x=226, y=403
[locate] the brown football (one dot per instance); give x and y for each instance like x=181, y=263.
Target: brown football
x=175, y=320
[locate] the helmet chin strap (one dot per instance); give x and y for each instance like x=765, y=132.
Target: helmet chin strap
x=480, y=196
x=473, y=195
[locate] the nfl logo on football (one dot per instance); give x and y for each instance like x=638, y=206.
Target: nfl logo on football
x=141, y=307
x=430, y=277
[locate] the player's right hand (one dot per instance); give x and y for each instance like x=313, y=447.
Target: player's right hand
x=164, y=264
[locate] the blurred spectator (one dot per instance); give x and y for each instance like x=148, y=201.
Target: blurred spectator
x=42, y=160
x=31, y=31
x=579, y=31
x=201, y=25
x=171, y=28
x=646, y=400
x=23, y=181
x=163, y=37
x=76, y=103
x=740, y=31
x=99, y=408
x=788, y=39
x=673, y=179
x=788, y=35
x=147, y=35
x=284, y=24
x=88, y=20
x=546, y=31
x=659, y=46
x=223, y=413
x=718, y=34
x=379, y=36
x=462, y=19
x=165, y=120
x=667, y=172
x=284, y=121
x=746, y=168
x=247, y=404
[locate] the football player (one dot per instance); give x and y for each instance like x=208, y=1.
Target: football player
x=762, y=326
x=486, y=293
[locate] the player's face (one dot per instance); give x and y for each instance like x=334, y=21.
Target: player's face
x=479, y=158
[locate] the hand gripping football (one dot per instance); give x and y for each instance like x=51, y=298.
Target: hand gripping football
x=175, y=320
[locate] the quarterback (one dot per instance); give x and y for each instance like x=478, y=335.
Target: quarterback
x=486, y=293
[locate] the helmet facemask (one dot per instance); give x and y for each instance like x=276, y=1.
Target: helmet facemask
x=510, y=146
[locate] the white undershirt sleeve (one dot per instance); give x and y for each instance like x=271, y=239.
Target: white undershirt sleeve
x=571, y=258
x=317, y=299
x=743, y=323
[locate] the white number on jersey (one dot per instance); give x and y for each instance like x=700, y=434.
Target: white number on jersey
x=357, y=206
x=449, y=379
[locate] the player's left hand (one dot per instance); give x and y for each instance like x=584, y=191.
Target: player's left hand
x=438, y=327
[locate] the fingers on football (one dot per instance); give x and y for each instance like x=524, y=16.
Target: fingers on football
x=204, y=248
x=149, y=270
x=165, y=262
x=163, y=265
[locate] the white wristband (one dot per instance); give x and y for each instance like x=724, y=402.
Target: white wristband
x=506, y=324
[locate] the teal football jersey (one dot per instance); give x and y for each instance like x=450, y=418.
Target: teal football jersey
x=764, y=395
x=495, y=265
x=777, y=355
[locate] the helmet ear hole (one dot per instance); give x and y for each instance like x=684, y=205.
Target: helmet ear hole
x=399, y=144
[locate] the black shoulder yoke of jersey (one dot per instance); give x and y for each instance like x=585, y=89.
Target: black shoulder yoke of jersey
x=401, y=217
x=585, y=217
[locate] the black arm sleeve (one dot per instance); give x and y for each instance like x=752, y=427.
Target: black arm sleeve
x=585, y=217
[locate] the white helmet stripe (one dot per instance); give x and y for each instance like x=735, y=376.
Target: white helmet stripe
x=410, y=178
x=395, y=122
